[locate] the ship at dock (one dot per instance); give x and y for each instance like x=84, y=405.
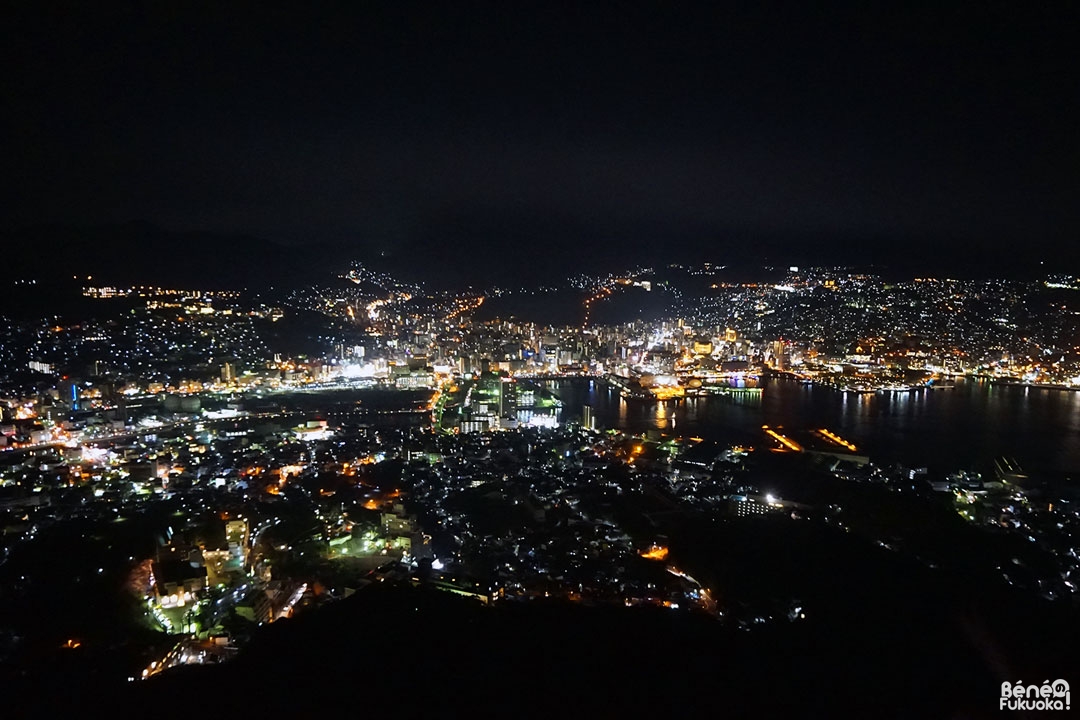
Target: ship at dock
x=670, y=387
x=897, y=388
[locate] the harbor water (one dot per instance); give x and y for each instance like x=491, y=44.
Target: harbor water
x=965, y=426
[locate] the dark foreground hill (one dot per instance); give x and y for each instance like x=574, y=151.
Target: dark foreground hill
x=403, y=652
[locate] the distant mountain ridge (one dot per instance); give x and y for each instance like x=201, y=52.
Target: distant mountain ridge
x=450, y=256
x=142, y=253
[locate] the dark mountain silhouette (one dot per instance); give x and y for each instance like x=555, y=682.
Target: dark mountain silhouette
x=143, y=254
x=422, y=653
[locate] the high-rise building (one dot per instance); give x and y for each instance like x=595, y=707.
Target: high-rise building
x=779, y=352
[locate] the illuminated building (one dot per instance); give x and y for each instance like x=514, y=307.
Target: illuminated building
x=703, y=346
x=747, y=505
x=176, y=582
x=236, y=534
x=779, y=355
x=495, y=395
x=313, y=430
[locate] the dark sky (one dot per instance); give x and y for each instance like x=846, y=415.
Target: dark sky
x=404, y=126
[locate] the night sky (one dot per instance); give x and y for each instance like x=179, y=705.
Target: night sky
x=872, y=132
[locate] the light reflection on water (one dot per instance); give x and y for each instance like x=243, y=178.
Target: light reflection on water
x=965, y=426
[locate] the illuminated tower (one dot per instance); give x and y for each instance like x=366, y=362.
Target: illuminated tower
x=778, y=350
x=587, y=420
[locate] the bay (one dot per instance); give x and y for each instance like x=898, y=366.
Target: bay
x=966, y=426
